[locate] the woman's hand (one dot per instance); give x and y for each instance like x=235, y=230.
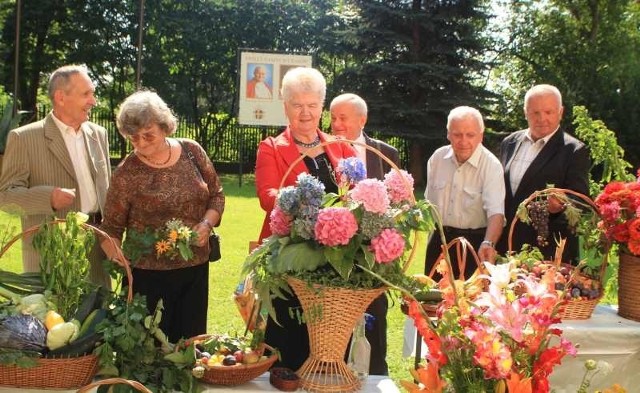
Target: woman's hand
x=203, y=229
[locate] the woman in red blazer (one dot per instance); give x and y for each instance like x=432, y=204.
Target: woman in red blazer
x=303, y=91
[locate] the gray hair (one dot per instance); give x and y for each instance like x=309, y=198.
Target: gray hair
x=60, y=78
x=353, y=99
x=142, y=110
x=463, y=112
x=303, y=80
x=541, y=90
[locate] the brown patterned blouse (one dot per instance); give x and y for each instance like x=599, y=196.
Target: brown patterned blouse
x=141, y=196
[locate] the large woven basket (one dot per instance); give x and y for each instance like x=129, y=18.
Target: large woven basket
x=574, y=309
x=629, y=287
x=325, y=369
x=59, y=373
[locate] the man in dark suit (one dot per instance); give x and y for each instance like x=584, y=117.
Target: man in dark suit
x=59, y=164
x=536, y=158
x=348, y=117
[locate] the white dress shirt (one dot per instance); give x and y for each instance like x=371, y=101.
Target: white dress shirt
x=467, y=194
x=361, y=150
x=524, y=155
x=78, y=153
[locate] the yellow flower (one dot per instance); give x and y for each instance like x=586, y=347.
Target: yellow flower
x=162, y=246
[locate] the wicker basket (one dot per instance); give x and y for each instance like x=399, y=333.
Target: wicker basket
x=114, y=381
x=240, y=373
x=573, y=309
x=325, y=369
x=629, y=287
x=58, y=373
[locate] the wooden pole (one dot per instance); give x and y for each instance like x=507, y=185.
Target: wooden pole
x=16, y=61
x=140, y=31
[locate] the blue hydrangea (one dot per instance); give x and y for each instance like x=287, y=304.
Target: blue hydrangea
x=289, y=200
x=303, y=226
x=311, y=190
x=353, y=169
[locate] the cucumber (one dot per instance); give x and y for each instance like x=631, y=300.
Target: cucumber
x=88, y=326
x=433, y=295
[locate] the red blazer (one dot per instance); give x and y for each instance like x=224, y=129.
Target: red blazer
x=275, y=156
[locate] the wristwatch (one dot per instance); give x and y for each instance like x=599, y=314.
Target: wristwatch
x=488, y=243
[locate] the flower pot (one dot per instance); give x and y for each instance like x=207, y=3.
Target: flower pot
x=325, y=369
x=629, y=286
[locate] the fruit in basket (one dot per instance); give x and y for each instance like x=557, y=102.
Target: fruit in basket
x=52, y=318
x=229, y=360
x=251, y=357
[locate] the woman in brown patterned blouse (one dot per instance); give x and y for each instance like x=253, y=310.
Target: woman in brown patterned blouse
x=155, y=183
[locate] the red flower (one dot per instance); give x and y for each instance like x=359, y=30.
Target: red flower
x=619, y=207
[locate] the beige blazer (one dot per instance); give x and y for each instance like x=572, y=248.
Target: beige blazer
x=36, y=160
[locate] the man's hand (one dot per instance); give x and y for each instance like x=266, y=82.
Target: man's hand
x=62, y=198
x=487, y=253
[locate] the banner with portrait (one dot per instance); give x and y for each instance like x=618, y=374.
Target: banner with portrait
x=260, y=102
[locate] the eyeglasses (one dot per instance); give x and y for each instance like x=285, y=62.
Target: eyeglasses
x=147, y=137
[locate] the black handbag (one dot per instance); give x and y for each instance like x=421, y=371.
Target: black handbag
x=214, y=238
x=214, y=247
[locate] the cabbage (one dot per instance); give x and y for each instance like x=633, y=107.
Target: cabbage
x=22, y=332
x=35, y=305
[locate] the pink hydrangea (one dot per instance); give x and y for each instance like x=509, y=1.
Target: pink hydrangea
x=335, y=226
x=400, y=185
x=279, y=222
x=372, y=194
x=387, y=246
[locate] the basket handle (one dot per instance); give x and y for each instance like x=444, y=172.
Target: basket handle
x=462, y=247
x=379, y=154
x=547, y=191
x=119, y=257
x=115, y=381
x=340, y=140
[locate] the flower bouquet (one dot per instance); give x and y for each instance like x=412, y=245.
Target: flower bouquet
x=499, y=340
x=619, y=207
x=325, y=246
x=173, y=240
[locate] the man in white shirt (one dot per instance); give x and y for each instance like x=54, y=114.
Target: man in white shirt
x=59, y=164
x=465, y=183
x=348, y=117
x=537, y=157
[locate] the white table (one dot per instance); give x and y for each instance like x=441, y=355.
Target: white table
x=604, y=337
x=374, y=384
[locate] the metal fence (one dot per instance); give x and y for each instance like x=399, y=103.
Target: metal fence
x=232, y=147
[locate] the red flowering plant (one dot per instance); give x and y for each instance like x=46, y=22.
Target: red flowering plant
x=619, y=207
x=336, y=239
x=501, y=339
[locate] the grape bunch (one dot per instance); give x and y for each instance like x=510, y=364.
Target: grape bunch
x=538, y=210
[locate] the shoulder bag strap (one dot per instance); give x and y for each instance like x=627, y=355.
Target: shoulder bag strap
x=192, y=158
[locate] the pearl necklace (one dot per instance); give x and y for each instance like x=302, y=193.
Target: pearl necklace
x=310, y=145
x=159, y=163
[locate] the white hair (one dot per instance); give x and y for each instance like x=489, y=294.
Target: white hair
x=353, y=99
x=303, y=80
x=463, y=112
x=541, y=90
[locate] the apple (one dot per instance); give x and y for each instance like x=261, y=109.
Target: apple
x=239, y=355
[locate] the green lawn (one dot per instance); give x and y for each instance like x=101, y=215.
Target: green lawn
x=241, y=224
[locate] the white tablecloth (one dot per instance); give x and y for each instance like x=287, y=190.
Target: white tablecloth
x=374, y=384
x=604, y=337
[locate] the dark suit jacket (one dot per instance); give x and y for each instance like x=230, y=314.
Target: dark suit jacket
x=564, y=163
x=376, y=166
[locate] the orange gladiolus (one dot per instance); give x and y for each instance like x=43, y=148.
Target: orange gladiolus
x=517, y=385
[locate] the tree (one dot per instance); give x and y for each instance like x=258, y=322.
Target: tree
x=413, y=61
x=589, y=49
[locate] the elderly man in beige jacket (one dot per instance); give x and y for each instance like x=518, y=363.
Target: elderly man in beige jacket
x=59, y=164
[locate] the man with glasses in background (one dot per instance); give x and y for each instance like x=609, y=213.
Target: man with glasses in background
x=59, y=164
